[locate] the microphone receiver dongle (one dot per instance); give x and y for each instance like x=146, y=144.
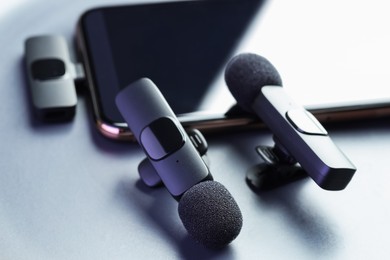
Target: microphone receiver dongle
x=51, y=76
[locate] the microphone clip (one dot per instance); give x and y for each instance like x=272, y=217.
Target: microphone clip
x=278, y=169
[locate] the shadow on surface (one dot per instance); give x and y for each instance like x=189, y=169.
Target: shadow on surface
x=162, y=213
x=306, y=221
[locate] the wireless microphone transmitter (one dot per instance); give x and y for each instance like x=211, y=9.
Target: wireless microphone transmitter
x=51, y=75
x=208, y=211
x=256, y=85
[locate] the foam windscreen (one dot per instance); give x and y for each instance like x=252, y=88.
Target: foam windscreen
x=246, y=74
x=210, y=214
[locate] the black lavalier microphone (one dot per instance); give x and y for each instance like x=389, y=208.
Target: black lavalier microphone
x=206, y=208
x=256, y=85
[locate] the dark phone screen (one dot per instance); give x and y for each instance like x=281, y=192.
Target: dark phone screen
x=181, y=46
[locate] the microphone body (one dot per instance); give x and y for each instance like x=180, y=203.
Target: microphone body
x=304, y=138
x=256, y=85
x=162, y=137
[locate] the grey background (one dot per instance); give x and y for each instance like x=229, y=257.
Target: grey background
x=68, y=193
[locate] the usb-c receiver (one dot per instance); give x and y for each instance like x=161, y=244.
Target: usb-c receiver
x=52, y=77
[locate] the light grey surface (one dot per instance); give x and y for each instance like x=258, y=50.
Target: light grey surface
x=68, y=193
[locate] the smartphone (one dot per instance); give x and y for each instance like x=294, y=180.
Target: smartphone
x=184, y=46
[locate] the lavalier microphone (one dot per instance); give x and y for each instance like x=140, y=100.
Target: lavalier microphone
x=207, y=209
x=257, y=87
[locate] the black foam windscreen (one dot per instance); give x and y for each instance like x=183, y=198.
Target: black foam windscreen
x=210, y=214
x=246, y=74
